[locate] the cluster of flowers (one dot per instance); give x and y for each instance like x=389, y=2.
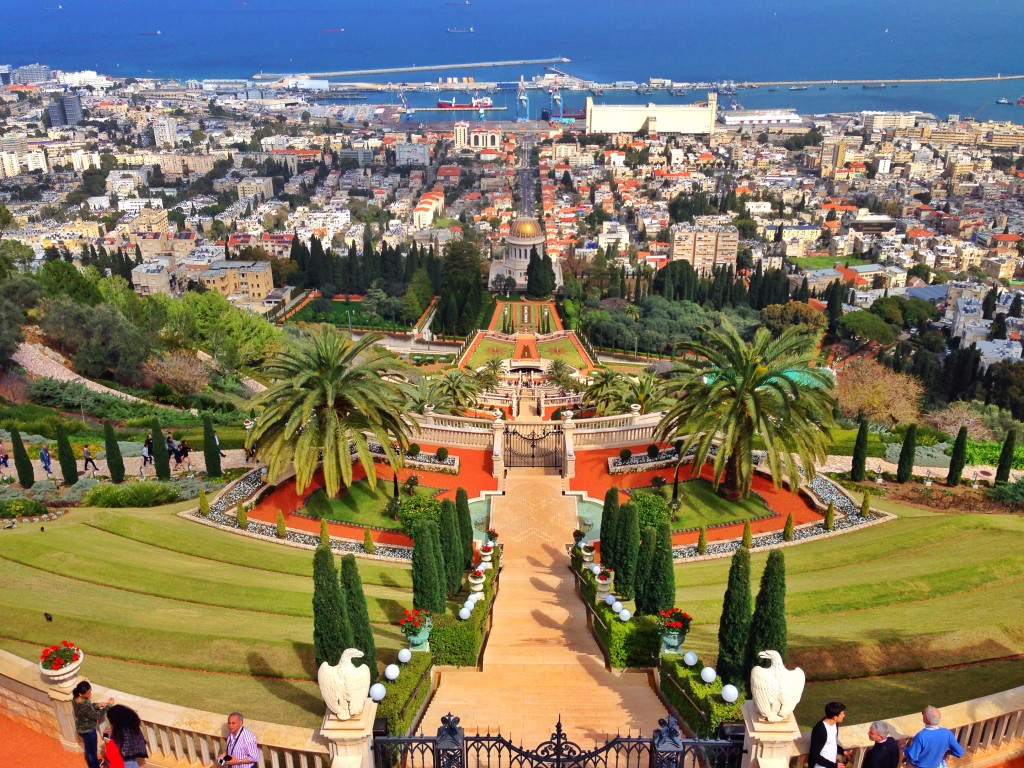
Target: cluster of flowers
x=411, y=622
x=605, y=574
x=675, y=619
x=59, y=656
x=492, y=534
x=478, y=574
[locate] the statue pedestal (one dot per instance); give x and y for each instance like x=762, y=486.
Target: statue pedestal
x=768, y=745
x=351, y=741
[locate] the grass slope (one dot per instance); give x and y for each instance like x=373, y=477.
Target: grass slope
x=700, y=505
x=362, y=505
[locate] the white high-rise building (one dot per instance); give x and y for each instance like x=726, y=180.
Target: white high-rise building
x=165, y=131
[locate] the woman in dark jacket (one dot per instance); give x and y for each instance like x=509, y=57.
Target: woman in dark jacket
x=126, y=746
x=87, y=715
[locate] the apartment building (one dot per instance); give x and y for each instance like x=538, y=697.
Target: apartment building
x=243, y=282
x=256, y=185
x=704, y=247
x=151, y=278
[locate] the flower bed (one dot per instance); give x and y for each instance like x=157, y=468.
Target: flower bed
x=458, y=643
x=427, y=462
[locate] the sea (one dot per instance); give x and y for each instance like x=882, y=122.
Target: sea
x=605, y=40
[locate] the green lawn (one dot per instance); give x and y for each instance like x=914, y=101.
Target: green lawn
x=824, y=262
x=700, y=505
x=560, y=349
x=139, y=588
x=488, y=348
x=923, y=591
x=362, y=505
x=842, y=443
x=340, y=316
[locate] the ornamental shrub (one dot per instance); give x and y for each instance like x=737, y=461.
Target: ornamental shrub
x=22, y=463
x=633, y=643
x=644, y=598
x=865, y=506
x=330, y=620
x=748, y=536
x=790, y=528
x=413, y=450
x=147, y=493
x=653, y=451
x=21, y=506
x=702, y=541
x=651, y=508
x=204, y=503
x=702, y=702
x=858, y=470
x=830, y=516
x=734, y=625
x=115, y=463
x=428, y=584
x=625, y=455
x=1011, y=494
x=768, y=624
x=441, y=454
x=959, y=459
x=325, y=534
x=451, y=547
x=905, y=468
x=282, y=529
x=369, y=545
x=663, y=576
x=241, y=516
x=211, y=453
x=609, y=526
x=161, y=459
x=419, y=508
x=1006, y=457
x=358, y=615
x=465, y=526
x=66, y=457
x=627, y=550
x=406, y=695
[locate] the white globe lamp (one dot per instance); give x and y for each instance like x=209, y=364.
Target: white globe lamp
x=690, y=658
x=464, y=613
x=708, y=674
x=617, y=606
x=404, y=655
x=730, y=693
x=609, y=598
x=391, y=672
x=377, y=691
x=624, y=614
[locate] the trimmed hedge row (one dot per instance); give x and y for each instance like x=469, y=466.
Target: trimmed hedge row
x=702, y=706
x=457, y=643
x=406, y=695
x=22, y=507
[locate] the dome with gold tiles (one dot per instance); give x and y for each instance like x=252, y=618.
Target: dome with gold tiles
x=525, y=228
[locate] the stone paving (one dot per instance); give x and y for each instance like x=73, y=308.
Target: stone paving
x=541, y=661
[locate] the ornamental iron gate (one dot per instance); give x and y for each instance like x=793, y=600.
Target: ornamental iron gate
x=534, y=445
x=452, y=748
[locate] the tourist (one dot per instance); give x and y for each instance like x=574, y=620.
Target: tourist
x=216, y=442
x=4, y=458
x=87, y=716
x=241, y=747
x=184, y=449
x=124, y=743
x=45, y=458
x=928, y=749
x=171, y=445
x=825, y=751
x=87, y=455
x=885, y=753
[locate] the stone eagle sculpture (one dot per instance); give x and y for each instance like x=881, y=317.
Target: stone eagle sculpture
x=344, y=686
x=775, y=690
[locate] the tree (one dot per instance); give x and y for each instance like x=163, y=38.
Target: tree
x=161, y=459
x=734, y=626
x=1006, y=457
x=959, y=458
x=325, y=534
x=609, y=527
x=998, y=329
x=789, y=530
x=211, y=453
x=661, y=589
x=867, y=389
x=204, y=503
x=22, y=463
x=768, y=623
x=428, y=592
x=747, y=539
x=830, y=516
x=66, y=457
x=865, y=326
x=905, y=468
x=115, y=464
x=858, y=469
x=282, y=528
x=627, y=550
x=358, y=615
x=6, y=219
x=183, y=372
x=729, y=392
x=451, y=547
x=328, y=392
x=330, y=617
x=458, y=387
x=241, y=518
x=465, y=526
x=644, y=597
x=779, y=317
x=702, y=541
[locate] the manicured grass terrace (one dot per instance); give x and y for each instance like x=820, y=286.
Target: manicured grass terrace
x=362, y=505
x=488, y=348
x=339, y=315
x=700, y=505
x=560, y=349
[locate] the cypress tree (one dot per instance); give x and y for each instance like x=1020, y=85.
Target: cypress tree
x=662, y=594
x=451, y=547
x=115, y=464
x=325, y=534
x=204, y=503
x=465, y=526
x=858, y=471
x=22, y=463
x=358, y=615
x=734, y=626
x=394, y=486
x=905, y=469
x=609, y=526
x=282, y=529
x=627, y=550
x=427, y=582
x=959, y=458
x=748, y=535
x=241, y=516
x=1006, y=457
x=66, y=457
x=865, y=506
x=329, y=615
x=210, y=451
x=644, y=597
x=830, y=516
x=702, y=541
x=369, y=546
x=789, y=529
x=161, y=460
x=768, y=624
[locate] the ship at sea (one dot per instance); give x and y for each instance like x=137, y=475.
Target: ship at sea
x=332, y=29
x=1020, y=101
x=460, y=29
x=798, y=87
x=458, y=2
x=874, y=85
x=1003, y=100
x=154, y=33
x=482, y=102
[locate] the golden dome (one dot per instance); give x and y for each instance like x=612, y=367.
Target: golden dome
x=525, y=227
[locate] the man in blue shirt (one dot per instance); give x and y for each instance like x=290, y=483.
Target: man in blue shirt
x=930, y=746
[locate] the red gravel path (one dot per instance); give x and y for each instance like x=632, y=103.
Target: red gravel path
x=26, y=748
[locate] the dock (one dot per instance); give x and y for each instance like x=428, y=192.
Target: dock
x=413, y=110
x=887, y=81
x=423, y=68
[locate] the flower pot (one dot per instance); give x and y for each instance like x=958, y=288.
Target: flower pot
x=604, y=586
x=476, y=583
x=485, y=556
x=420, y=642
x=64, y=674
x=588, y=557
x=672, y=641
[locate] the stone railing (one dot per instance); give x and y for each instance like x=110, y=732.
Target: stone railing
x=458, y=437
x=615, y=437
x=178, y=737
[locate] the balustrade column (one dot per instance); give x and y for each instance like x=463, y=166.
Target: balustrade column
x=498, y=436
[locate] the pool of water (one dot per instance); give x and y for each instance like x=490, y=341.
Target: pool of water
x=480, y=513
x=588, y=514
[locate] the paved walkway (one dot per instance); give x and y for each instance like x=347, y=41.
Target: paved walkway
x=26, y=748
x=541, y=662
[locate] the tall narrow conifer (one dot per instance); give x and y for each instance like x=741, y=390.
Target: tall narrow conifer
x=1006, y=457
x=768, y=624
x=22, y=463
x=465, y=526
x=858, y=470
x=358, y=614
x=161, y=459
x=609, y=527
x=115, y=463
x=627, y=550
x=451, y=547
x=734, y=626
x=905, y=468
x=958, y=459
x=66, y=457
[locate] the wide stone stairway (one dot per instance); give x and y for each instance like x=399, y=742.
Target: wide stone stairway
x=541, y=661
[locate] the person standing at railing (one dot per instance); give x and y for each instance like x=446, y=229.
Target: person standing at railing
x=931, y=745
x=241, y=748
x=826, y=752
x=124, y=746
x=886, y=752
x=87, y=716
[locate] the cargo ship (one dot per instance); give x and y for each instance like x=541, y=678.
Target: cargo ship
x=460, y=29
x=483, y=102
x=798, y=87
x=332, y=29
x=874, y=85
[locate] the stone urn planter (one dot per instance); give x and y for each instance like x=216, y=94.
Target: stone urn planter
x=419, y=642
x=476, y=583
x=486, y=553
x=65, y=674
x=588, y=553
x=604, y=585
x=672, y=641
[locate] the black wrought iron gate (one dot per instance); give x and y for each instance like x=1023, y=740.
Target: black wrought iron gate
x=534, y=445
x=452, y=748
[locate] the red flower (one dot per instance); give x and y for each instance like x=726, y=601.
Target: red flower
x=66, y=644
x=55, y=664
x=75, y=657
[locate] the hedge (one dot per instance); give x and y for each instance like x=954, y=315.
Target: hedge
x=702, y=706
x=988, y=453
x=147, y=493
x=457, y=643
x=406, y=695
x=22, y=507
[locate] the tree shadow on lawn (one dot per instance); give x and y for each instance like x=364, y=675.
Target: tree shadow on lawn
x=392, y=609
x=287, y=690
x=387, y=580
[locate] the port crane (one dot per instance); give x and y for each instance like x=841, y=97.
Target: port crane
x=522, y=102
x=556, y=102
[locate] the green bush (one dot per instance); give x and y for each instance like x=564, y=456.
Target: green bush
x=790, y=529
x=22, y=507
x=651, y=509
x=702, y=541
x=830, y=516
x=147, y=493
x=625, y=455
x=406, y=695
x=633, y=643
x=455, y=642
x=413, y=450
x=368, y=543
x=282, y=529
x=988, y=453
x=419, y=508
x=241, y=516
x=204, y=504
x=1011, y=494
x=441, y=454
x=653, y=451
x=700, y=704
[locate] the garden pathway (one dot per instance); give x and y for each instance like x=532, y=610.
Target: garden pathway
x=541, y=661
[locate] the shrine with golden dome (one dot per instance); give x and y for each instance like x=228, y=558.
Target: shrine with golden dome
x=524, y=235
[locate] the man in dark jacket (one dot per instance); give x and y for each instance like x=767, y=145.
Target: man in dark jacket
x=825, y=751
x=886, y=752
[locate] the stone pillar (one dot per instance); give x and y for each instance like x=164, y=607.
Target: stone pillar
x=634, y=409
x=350, y=741
x=569, y=458
x=428, y=414
x=767, y=745
x=497, y=443
x=60, y=695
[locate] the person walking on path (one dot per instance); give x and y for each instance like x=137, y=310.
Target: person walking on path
x=184, y=449
x=885, y=752
x=826, y=751
x=241, y=748
x=124, y=745
x=87, y=716
x=928, y=749
x=147, y=450
x=46, y=459
x=216, y=441
x=87, y=455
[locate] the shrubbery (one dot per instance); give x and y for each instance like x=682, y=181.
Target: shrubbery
x=147, y=493
x=407, y=694
x=22, y=507
x=633, y=643
x=457, y=643
x=698, y=703
x=419, y=508
x=651, y=508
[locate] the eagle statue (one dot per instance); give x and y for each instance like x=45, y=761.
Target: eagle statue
x=776, y=690
x=344, y=686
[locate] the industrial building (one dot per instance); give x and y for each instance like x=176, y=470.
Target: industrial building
x=653, y=118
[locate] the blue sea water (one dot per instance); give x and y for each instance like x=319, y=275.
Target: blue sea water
x=686, y=40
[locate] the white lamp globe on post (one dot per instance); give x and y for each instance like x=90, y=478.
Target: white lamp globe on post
x=690, y=658
x=730, y=693
x=708, y=674
x=617, y=606
x=464, y=613
x=391, y=672
x=609, y=599
x=377, y=691
x=625, y=615
x=404, y=655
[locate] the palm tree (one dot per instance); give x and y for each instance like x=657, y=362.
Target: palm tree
x=459, y=387
x=731, y=391
x=561, y=373
x=489, y=375
x=646, y=390
x=426, y=392
x=327, y=393
x=602, y=392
